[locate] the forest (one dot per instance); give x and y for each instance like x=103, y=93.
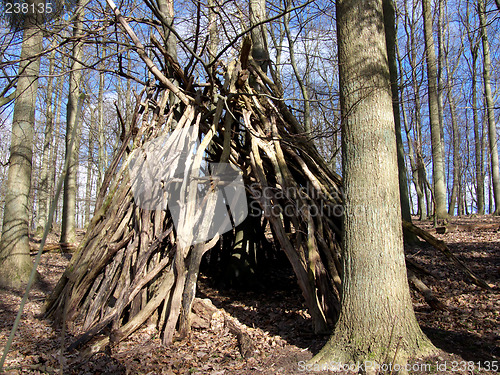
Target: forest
x=249, y=187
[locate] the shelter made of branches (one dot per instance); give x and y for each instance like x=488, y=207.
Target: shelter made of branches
x=137, y=264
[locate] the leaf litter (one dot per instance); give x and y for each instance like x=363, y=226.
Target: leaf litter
x=275, y=319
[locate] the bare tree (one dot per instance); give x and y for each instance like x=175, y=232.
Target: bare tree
x=15, y=262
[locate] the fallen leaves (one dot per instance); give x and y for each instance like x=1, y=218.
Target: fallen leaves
x=274, y=320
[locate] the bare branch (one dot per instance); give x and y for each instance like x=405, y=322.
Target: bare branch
x=142, y=53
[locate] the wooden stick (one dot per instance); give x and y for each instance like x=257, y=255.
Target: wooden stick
x=441, y=246
x=425, y=291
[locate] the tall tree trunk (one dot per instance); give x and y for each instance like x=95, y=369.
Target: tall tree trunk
x=35, y=178
x=260, y=52
x=101, y=164
x=57, y=140
x=79, y=212
x=213, y=42
x=440, y=65
x=490, y=186
x=490, y=111
x=293, y=63
x=88, y=183
x=419, y=174
x=166, y=8
x=413, y=164
x=411, y=152
x=373, y=256
x=391, y=42
x=457, y=165
x=43, y=187
x=461, y=199
x=438, y=167
x=129, y=109
x=456, y=156
x=15, y=262
x=478, y=134
x=278, y=43
x=68, y=228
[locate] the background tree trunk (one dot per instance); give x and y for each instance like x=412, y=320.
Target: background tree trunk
x=90, y=177
x=391, y=42
x=54, y=152
x=438, y=165
x=68, y=227
x=213, y=43
x=43, y=186
x=293, y=62
x=419, y=174
x=455, y=198
x=260, y=52
x=101, y=159
x=440, y=65
x=478, y=133
x=167, y=11
x=15, y=262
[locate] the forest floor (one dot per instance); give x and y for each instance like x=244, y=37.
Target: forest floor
x=468, y=331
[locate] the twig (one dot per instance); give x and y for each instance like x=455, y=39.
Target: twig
x=395, y=354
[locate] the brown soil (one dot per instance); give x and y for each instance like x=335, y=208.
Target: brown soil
x=468, y=331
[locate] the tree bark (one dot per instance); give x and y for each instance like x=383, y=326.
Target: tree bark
x=373, y=255
x=488, y=96
x=68, y=227
x=15, y=262
x=438, y=166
